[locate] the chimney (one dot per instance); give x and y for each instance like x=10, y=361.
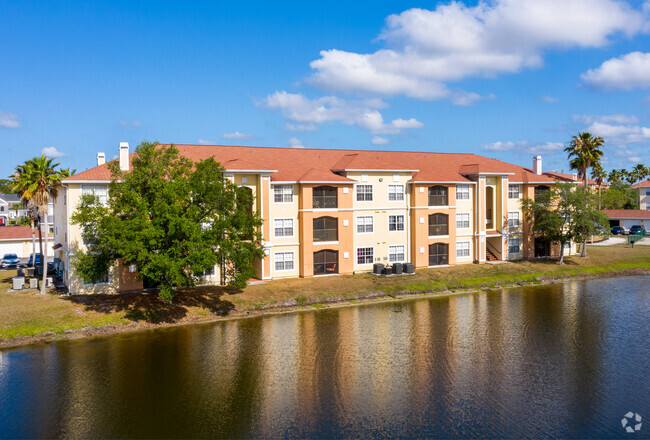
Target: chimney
x=124, y=156
x=101, y=159
x=574, y=176
x=537, y=165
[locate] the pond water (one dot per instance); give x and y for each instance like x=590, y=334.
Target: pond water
x=563, y=360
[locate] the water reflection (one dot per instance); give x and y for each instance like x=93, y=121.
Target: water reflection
x=565, y=360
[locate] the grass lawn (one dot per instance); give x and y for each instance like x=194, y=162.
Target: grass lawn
x=27, y=313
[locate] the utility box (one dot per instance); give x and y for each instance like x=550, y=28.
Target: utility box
x=50, y=282
x=18, y=283
x=409, y=268
x=397, y=268
x=377, y=268
x=33, y=283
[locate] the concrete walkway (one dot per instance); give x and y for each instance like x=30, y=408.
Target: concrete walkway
x=610, y=241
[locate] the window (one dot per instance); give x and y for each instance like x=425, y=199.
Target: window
x=647, y=192
x=395, y=222
x=513, y=219
x=567, y=246
x=438, y=224
x=462, y=249
x=396, y=254
x=283, y=193
x=326, y=262
x=395, y=192
x=364, y=224
x=462, y=192
x=326, y=229
x=514, y=191
x=283, y=260
x=210, y=272
x=514, y=245
x=364, y=193
x=365, y=255
x=102, y=280
x=437, y=196
x=540, y=190
x=99, y=191
x=462, y=220
x=438, y=254
x=283, y=227
x=325, y=197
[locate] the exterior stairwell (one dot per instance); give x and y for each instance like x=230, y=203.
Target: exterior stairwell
x=490, y=256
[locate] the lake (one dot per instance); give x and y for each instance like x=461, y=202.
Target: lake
x=560, y=360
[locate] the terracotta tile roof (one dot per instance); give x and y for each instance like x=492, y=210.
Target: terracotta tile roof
x=309, y=164
x=631, y=214
x=17, y=233
x=578, y=181
x=644, y=184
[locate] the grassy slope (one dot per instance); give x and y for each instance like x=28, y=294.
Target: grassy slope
x=27, y=313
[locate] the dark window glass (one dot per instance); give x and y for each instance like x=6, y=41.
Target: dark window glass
x=438, y=254
x=325, y=197
x=326, y=262
x=438, y=196
x=326, y=229
x=438, y=224
x=539, y=190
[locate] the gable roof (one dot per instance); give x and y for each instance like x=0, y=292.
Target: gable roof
x=326, y=165
x=10, y=198
x=644, y=184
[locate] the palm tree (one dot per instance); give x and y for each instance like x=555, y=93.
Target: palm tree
x=20, y=186
x=38, y=181
x=598, y=174
x=585, y=151
x=641, y=172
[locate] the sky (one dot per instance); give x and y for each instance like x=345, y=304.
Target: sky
x=504, y=78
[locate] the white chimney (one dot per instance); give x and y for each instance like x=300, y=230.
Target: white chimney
x=101, y=159
x=537, y=165
x=574, y=176
x=124, y=156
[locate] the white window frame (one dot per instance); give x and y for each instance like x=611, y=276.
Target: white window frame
x=372, y=255
x=511, y=220
x=101, y=283
x=511, y=239
x=283, y=227
x=393, y=251
x=463, y=249
x=398, y=191
x=397, y=223
x=462, y=190
x=365, y=224
x=460, y=222
x=366, y=185
x=284, y=261
x=510, y=192
x=282, y=193
x=93, y=189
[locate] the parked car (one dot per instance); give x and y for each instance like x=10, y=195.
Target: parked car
x=10, y=260
x=618, y=230
x=637, y=229
x=31, y=263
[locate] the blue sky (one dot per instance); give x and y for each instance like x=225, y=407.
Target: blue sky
x=504, y=78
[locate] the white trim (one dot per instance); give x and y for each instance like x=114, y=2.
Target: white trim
x=396, y=223
x=380, y=208
x=405, y=254
x=272, y=193
x=356, y=193
x=439, y=265
x=293, y=260
x=403, y=193
x=356, y=224
x=432, y=207
x=356, y=256
x=373, y=170
x=417, y=182
x=267, y=172
x=293, y=227
x=321, y=243
x=488, y=174
x=327, y=182
x=469, y=220
x=284, y=182
x=272, y=245
x=438, y=236
x=86, y=181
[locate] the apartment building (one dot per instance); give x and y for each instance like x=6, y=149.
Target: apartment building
x=328, y=211
x=644, y=194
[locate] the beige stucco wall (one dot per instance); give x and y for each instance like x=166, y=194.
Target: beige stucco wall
x=644, y=200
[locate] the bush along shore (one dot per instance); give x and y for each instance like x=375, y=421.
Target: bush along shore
x=28, y=317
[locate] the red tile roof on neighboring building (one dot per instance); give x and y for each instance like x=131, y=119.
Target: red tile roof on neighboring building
x=630, y=214
x=311, y=165
x=577, y=180
x=17, y=233
x=644, y=184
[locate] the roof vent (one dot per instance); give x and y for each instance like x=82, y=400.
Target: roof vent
x=537, y=165
x=101, y=159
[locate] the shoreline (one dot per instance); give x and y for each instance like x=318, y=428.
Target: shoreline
x=370, y=297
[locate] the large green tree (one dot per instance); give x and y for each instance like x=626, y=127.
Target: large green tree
x=174, y=219
x=5, y=186
x=36, y=182
x=620, y=195
x=585, y=151
x=563, y=214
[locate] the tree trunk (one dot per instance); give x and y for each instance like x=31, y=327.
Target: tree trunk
x=599, y=198
x=561, y=253
x=40, y=241
x=44, y=255
x=31, y=219
x=584, y=248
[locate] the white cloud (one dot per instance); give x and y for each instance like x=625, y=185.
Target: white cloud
x=465, y=98
x=295, y=143
x=378, y=140
x=617, y=118
x=52, y=152
x=525, y=147
x=627, y=72
x=550, y=99
x=205, y=142
x=8, y=120
x=237, y=135
x=426, y=49
x=130, y=123
x=301, y=127
x=620, y=134
x=362, y=113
